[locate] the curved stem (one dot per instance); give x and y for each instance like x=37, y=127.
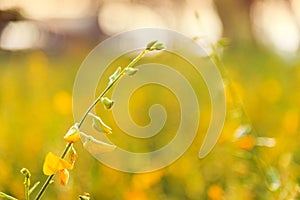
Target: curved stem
x=69, y=145
x=131, y=64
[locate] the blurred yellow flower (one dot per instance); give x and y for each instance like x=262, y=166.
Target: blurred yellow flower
x=215, y=192
x=270, y=90
x=62, y=102
x=246, y=142
x=145, y=181
x=290, y=121
x=135, y=194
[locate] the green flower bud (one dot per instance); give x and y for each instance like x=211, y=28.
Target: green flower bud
x=108, y=103
x=151, y=44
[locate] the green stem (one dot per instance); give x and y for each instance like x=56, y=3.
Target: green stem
x=68, y=147
x=6, y=196
x=47, y=182
x=26, y=191
x=131, y=64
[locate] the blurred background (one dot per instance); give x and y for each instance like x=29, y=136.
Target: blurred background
x=44, y=42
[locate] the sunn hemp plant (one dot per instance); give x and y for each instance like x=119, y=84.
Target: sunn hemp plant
x=54, y=164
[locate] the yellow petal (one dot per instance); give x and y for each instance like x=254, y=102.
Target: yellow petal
x=72, y=135
x=54, y=163
x=72, y=156
x=64, y=176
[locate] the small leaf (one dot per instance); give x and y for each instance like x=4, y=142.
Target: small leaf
x=151, y=44
x=64, y=176
x=95, y=146
x=34, y=187
x=130, y=71
x=114, y=76
x=108, y=103
x=223, y=42
x=54, y=163
x=158, y=46
x=6, y=196
x=73, y=134
x=273, y=179
x=99, y=125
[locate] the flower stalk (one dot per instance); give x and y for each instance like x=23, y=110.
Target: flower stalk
x=154, y=45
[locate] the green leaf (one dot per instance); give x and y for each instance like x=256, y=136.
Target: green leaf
x=130, y=71
x=151, y=44
x=158, y=46
x=6, y=196
x=94, y=146
x=34, y=187
x=114, y=76
x=99, y=125
x=223, y=42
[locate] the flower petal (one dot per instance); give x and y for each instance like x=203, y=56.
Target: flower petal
x=54, y=163
x=64, y=176
x=72, y=156
x=73, y=134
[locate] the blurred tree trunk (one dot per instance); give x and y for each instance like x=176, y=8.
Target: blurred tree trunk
x=236, y=20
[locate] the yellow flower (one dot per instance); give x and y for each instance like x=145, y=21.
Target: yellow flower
x=73, y=134
x=54, y=164
x=215, y=192
x=246, y=142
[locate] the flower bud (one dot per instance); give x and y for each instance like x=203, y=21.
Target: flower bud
x=108, y=103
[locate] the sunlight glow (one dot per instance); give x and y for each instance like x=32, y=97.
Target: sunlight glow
x=115, y=17
x=46, y=9
x=274, y=25
x=195, y=19
x=11, y=39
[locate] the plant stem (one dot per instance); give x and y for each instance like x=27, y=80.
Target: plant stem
x=69, y=145
x=47, y=182
x=131, y=64
x=26, y=191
